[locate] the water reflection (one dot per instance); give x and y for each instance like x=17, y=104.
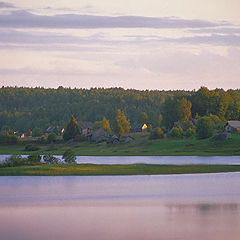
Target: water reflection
x=176, y=160
x=120, y=222
x=187, y=207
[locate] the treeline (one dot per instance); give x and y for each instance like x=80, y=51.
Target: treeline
x=28, y=108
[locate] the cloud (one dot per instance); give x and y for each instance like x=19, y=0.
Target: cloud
x=13, y=36
x=27, y=40
x=24, y=19
x=214, y=39
x=184, y=69
x=6, y=5
x=162, y=67
x=216, y=30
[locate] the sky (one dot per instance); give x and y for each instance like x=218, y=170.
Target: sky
x=146, y=44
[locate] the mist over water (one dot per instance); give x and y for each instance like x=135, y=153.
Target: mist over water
x=199, y=206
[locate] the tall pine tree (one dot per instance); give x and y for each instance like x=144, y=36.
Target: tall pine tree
x=71, y=130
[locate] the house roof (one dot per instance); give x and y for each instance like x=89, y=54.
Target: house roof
x=99, y=132
x=52, y=128
x=137, y=126
x=234, y=124
x=85, y=125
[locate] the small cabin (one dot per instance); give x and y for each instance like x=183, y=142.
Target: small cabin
x=233, y=126
x=54, y=129
x=138, y=127
x=28, y=133
x=99, y=135
x=85, y=128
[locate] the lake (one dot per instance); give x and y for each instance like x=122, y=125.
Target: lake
x=178, y=160
x=171, y=207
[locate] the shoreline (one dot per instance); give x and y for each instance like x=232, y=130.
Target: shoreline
x=113, y=170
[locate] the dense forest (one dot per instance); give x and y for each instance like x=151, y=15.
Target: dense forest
x=27, y=108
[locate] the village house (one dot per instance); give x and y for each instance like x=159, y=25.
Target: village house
x=54, y=129
x=85, y=128
x=99, y=135
x=28, y=133
x=232, y=126
x=20, y=134
x=138, y=127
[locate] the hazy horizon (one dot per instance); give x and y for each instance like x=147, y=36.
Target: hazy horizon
x=82, y=88
x=154, y=45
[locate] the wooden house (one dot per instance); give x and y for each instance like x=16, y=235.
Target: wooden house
x=138, y=127
x=85, y=128
x=232, y=126
x=99, y=135
x=54, y=129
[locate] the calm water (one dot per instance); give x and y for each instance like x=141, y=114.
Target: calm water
x=187, y=207
x=231, y=160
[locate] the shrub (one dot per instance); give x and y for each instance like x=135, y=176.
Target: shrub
x=9, y=139
x=31, y=148
x=52, y=137
x=34, y=159
x=185, y=125
x=204, y=128
x=13, y=161
x=79, y=138
x=69, y=156
x=215, y=119
x=149, y=128
x=50, y=159
x=189, y=132
x=176, y=132
x=41, y=140
x=37, y=132
x=157, y=133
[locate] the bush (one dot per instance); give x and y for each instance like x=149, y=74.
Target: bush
x=69, y=156
x=18, y=160
x=52, y=137
x=149, y=128
x=50, y=159
x=31, y=148
x=79, y=138
x=215, y=119
x=204, y=128
x=157, y=133
x=185, y=125
x=13, y=161
x=176, y=132
x=41, y=140
x=34, y=159
x=37, y=132
x=190, y=132
x=9, y=139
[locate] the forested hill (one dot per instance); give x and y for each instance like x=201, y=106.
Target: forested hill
x=26, y=108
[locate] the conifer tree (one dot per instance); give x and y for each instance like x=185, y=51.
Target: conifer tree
x=71, y=130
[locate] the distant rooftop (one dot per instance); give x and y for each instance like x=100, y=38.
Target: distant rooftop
x=234, y=124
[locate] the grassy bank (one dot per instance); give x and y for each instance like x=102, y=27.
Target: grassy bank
x=95, y=170
x=139, y=147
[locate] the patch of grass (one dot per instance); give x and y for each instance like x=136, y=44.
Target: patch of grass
x=140, y=146
x=94, y=169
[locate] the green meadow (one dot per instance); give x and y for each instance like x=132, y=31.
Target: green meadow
x=95, y=170
x=141, y=146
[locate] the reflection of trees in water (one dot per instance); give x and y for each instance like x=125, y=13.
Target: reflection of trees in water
x=204, y=207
